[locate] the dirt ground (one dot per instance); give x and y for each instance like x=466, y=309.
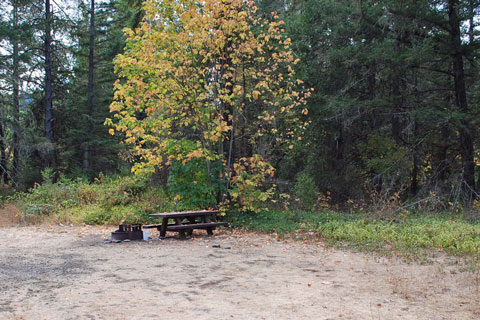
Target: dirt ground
x=65, y=272
x=9, y=215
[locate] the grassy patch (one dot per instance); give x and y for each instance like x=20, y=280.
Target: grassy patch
x=111, y=200
x=115, y=200
x=410, y=235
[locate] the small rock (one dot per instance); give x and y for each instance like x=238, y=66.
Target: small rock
x=117, y=241
x=126, y=240
x=227, y=248
x=216, y=246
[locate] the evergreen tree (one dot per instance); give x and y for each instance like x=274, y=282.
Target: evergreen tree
x=87, y=148
x=390, y=95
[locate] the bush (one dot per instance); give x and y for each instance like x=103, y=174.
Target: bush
x=305, y=191
x=110, y=200
x=191, y=184
x=48, y=175
x=6, y=192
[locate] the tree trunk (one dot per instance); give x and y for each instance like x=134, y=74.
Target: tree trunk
x=91, y=66
x=471, y=20
x=336, y=164
x=466, y=139
x=473, y=4
x=16, y=95
x=3, y=157
x=228, y=111
x=442, y=154
x=50, y=156
x=375, y=121
x=398, y=91
x=414, y=172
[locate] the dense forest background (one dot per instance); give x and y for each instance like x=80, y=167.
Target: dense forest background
x=393, y=114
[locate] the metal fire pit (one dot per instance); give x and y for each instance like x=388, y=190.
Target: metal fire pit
x=128, y=231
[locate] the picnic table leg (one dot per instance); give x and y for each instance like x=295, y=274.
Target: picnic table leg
x=192, y=221
x=163, y=229
x=181, y=233
x=209, y=230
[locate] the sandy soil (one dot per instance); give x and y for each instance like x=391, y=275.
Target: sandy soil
x=66, y=272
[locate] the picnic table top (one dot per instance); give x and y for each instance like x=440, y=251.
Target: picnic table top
x=185, y=214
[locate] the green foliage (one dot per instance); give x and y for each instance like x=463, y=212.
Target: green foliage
x=191, y=184
x=110, y=200
x=408, y=236
x=457, y=237
x=80, y=128
x=224, y=91
x=247, y=193
x=6, y=193
x=377, y=112
x=306, y=191
x=380, y=153
x=48, y=175
x=224, y=81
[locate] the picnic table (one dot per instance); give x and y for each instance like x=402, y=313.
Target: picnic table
x=187, y=221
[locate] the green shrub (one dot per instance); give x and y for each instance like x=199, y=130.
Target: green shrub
x=107, y=200
x=48, y=175
x=96, y=216
x=191, y=183
x=6, y=192
x=306, y=191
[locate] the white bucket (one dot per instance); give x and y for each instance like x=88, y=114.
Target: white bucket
x=146, y=234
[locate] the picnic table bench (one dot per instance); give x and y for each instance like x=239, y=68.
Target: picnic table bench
x=186, y=221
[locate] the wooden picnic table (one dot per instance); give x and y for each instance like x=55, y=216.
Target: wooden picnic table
x=186, y=221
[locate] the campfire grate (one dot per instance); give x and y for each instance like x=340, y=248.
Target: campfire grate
x=128, y=231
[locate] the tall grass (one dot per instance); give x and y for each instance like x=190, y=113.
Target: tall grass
x=446, y=232
x=110, y=200
x=129, y=199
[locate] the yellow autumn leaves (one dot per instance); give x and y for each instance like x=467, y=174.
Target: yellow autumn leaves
x=214, y=74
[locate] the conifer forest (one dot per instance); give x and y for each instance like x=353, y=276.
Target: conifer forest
x=239, y=103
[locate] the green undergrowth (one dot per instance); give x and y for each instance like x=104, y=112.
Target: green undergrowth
x=129, y=199
x=107, y=200
x=408, y=236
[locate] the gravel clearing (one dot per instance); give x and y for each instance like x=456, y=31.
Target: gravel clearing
x=70, y=272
